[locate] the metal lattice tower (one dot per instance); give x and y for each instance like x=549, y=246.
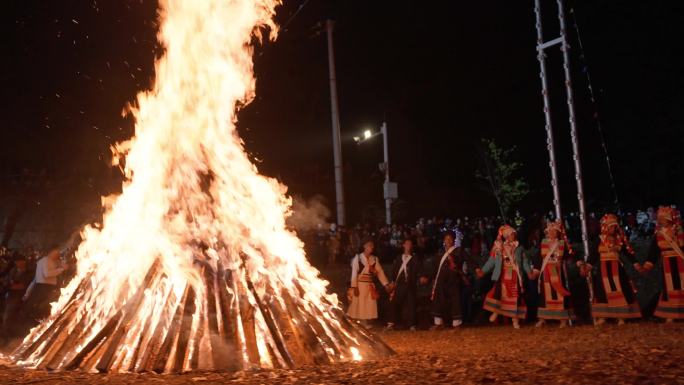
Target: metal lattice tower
x=541, y=55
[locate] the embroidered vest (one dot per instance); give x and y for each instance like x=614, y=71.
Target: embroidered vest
x=665, y=246
x=609, y=249
x=558, y=253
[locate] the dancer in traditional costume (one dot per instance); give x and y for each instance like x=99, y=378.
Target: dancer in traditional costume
x=449, y=277
x=362, y=294
x=667, y=250
x=554, y=296
x=506, y=264
x=614, y=293
x=405, y=271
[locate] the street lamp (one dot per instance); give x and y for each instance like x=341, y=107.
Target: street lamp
x=390, y=190
x=366, y=135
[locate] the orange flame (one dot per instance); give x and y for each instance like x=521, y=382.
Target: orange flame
x=192, y=198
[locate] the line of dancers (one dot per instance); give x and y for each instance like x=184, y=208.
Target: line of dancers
x=613, y=293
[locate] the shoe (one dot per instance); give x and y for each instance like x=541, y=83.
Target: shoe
x=413, y=328
x=516, y=323
x=621, y=322
x=599, y=321
x=563, y=324
x=539, y=323
x=457, y=323
x=389, y=327
x=492, y=318
x=669, y=320
x=437, y=327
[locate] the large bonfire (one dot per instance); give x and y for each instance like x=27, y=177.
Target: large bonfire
x=193, y=267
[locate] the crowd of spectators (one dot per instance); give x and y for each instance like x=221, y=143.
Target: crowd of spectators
x=330, y=244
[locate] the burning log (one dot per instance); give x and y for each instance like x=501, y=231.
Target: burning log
x=229, y=327
x=129, y=311
x=270, y=322
x=162, y=358
x=228, y=352
x=47, y=328
x=151, y=349
x=247, y=325
x=194, y=266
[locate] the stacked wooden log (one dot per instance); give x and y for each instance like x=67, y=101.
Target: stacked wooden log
x=222, y=323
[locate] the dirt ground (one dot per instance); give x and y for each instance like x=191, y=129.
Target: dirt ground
x=640, y=353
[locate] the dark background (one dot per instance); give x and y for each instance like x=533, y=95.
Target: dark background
x=442, y=74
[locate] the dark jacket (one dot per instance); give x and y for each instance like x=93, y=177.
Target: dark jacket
x=452, y=271
x=414, y=269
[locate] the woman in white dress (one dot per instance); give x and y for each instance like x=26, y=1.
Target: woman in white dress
x=362, y=294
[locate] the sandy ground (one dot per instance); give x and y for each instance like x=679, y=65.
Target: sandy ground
x=640, y=353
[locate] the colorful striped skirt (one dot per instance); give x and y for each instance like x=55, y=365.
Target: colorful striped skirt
x=671, y=304
x=614, y=295
x=505, y=298
x=554, y=298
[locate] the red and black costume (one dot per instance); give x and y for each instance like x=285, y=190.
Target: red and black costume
x=614, y=293
x=666, y=250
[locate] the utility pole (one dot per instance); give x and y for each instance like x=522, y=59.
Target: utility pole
x=386, y=189
x=334, y=108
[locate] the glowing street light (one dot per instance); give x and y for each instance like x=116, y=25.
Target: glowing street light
x=367, y=134
x=390, y=190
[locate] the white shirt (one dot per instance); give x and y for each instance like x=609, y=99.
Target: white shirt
x=405, y=258
x=47, y=271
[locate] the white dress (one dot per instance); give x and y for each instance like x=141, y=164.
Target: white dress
x=364, y=270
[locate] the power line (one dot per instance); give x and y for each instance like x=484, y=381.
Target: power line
x=595, y=115
x=301, y=6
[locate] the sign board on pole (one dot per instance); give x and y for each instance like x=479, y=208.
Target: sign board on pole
x=391, y=190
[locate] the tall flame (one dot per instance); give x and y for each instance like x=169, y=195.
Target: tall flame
x=194, y=204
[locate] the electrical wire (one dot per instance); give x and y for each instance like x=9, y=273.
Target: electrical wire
x=592, y=98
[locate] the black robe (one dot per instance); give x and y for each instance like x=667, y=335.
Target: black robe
x=448, y=282
x=403, y=300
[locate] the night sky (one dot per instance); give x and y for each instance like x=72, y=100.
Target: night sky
x=442, y=74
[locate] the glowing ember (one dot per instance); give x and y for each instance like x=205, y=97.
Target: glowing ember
x=193, y=267
x=356, y=356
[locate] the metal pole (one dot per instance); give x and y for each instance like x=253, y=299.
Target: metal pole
x=547, y=110
x=388, y=200
x=334, y=108
x=565, y=48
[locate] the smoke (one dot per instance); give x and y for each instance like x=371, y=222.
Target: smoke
x=308, y=214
